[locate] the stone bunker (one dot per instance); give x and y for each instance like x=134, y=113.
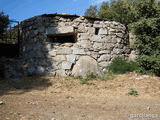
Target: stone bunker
x=63, y=45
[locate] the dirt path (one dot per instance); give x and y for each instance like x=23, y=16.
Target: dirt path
x=67, y=99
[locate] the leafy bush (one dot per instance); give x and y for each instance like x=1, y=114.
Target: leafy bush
x=121, y=66
x=133, y=92
x=148, y=44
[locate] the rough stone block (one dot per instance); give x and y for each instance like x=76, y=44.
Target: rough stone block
x=97, y=38
x=104, y=52
x=103, y=31
x=66, y=65
x=108, y=46
x=81, y=29
x=104, y=58
x=33, y=33
x=83, y=36
x=59, y=58
x=121, y=35
x=77, y=51
x=90, y=30
x=111, y=30
x=51, y=30
x=52, y=53
x=103, y=64
x=117, y=51
x=64, y=50
x=71, y=58
x=61, y=73
x=58, y=30
x=94, y=55
x=97, y=25
x=85, y=43
x=48, y=47
x=97, y=45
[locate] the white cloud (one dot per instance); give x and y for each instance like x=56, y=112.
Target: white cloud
x=99, y=1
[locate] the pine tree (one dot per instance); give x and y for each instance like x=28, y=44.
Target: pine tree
x=91, y=11
x=4, y=22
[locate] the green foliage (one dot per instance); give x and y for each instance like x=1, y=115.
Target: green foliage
x=7, y=36
x=126, y=11
x=4, y=22
x=91, y=11
x=102, y=12
x=10, y=36
x=133, y=92
x=147, y=8
x=121, y=66
x=147, y=43
x=147, y=31
x=90, y=76
x=120, y=11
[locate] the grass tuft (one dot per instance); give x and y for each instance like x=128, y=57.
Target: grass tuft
x=132, y=92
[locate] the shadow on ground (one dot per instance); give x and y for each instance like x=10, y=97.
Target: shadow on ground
x=24, y=85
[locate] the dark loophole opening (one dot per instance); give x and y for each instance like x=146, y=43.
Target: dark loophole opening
x=63, y=38
x=96, y=31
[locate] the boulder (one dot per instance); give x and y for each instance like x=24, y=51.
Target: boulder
x=84, y=65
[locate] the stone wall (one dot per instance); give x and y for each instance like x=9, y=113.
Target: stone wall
x=43, y=49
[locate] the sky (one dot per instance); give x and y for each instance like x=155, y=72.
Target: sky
x=20, y=10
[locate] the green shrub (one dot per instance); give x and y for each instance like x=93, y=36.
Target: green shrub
x=121, y=66
x=148, y=44
x=133, y=92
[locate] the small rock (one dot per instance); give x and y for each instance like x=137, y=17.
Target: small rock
x=53, y=119
x=32, y=103
x=148, y=108
x=1, y=102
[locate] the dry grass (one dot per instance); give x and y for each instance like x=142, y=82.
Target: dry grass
x=119, y=86
x=40, y=98
x=116, y=86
